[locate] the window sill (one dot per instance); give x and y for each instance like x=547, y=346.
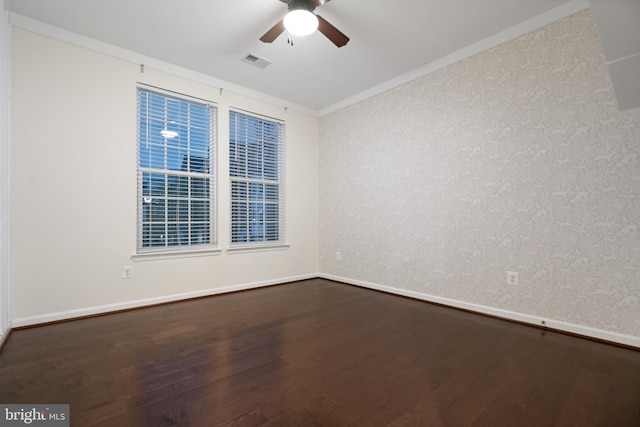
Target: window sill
x=257, y=248
x=153, y=256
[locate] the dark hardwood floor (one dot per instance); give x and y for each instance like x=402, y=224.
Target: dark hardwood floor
x=318, y=353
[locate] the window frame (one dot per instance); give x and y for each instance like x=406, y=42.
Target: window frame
x=184, y=177
x=267, y=184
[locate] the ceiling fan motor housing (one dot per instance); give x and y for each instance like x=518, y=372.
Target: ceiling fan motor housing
x=309, y=5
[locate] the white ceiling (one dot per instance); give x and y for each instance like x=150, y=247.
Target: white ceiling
x=389, y=38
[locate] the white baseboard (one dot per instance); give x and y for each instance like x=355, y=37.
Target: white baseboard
x=586, y=331
x=109, y=308
x=4, y=337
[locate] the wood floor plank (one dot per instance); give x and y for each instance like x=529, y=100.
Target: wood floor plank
x=317, y=353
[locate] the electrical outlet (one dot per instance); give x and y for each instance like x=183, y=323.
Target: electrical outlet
x=126, y=272
x=512, y=277
x=338, y=256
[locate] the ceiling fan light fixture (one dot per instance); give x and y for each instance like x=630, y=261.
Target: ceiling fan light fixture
x=300, y=22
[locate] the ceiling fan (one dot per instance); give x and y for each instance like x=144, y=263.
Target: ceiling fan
x=301, y=12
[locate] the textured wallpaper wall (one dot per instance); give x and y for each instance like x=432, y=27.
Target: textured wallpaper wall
x=514, y=159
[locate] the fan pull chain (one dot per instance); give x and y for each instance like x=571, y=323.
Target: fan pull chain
x=290, y=40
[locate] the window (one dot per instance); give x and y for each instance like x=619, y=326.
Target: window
x=175, y=171
x=256, y=147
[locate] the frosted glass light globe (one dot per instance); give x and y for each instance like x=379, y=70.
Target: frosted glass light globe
x=300, y=22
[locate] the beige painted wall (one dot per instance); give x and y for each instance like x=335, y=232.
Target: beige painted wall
x=517, y=158
x=5, y=250
x=74, y=188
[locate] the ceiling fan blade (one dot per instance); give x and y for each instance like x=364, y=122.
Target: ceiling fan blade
x=332, y=33
x=274, y=32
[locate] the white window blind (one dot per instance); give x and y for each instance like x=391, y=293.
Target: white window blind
x=256, y=168
x=176, y=148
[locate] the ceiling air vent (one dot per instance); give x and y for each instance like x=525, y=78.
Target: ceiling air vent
x=256, y=61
